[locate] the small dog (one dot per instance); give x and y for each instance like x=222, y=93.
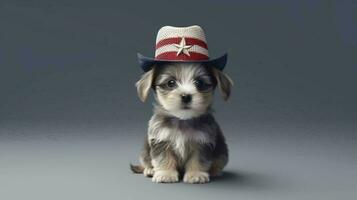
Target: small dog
x=183, y=137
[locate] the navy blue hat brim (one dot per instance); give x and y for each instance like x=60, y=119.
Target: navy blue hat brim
x=147, y=63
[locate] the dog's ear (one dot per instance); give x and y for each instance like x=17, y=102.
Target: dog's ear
x=144, y=84
x=224, y=83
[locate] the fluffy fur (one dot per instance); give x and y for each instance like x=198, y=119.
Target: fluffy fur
x=183, y=136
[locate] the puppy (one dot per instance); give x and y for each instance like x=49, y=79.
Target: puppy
x=183, y=137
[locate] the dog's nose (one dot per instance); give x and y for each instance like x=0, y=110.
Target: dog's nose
x=186, y=98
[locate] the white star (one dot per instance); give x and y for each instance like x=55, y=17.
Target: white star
x=182, y=47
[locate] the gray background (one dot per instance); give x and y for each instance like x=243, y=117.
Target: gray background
x=70, y=120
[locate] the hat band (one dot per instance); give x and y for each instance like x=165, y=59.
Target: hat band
x=172, y=55
x=181, y=48
x=177, y=40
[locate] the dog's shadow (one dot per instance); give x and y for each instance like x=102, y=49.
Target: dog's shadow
x=243, y=180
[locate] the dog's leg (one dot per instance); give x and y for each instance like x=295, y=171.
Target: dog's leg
x=217, y=166
x=220, y=156
x=197, y=166
x=145, y=166
x=145, y=160
x=164, y=163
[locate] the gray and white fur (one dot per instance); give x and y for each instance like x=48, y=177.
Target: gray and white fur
x=183, y=137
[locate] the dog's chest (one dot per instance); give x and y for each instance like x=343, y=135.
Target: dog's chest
x=181, y=141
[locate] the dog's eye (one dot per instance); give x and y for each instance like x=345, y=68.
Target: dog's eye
x=201, y=85
x=171, y=84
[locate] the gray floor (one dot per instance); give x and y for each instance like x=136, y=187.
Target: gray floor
x=44, y=162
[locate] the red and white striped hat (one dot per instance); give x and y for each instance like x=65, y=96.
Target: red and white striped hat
x=181, y=44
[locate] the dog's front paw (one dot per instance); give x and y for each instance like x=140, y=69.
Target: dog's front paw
x=165, y=176
x=148, y=172
x=196, y=177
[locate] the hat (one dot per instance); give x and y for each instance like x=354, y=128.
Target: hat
x=181, y=44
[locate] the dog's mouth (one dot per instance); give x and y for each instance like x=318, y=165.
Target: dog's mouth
x=185, y=107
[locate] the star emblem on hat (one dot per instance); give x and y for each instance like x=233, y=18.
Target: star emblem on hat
x=182, y=47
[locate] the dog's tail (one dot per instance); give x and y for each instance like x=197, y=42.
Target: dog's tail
x=137, y=169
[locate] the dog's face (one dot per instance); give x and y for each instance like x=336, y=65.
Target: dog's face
x=185, y=90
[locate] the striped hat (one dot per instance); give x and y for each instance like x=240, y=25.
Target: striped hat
x=181, y=44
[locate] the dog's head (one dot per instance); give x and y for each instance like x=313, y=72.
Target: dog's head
x=185, y=90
